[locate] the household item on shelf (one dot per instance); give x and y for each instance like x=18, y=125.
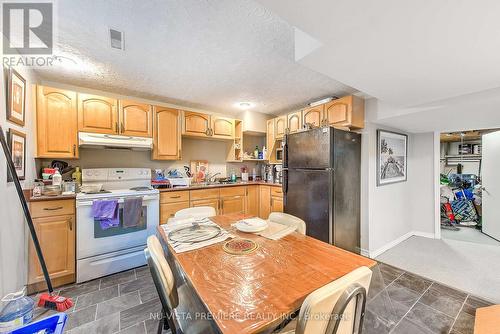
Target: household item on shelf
x=77, y=176
x=50, y=325
x=101, y=252
x=51, y=190
x=256, y=152
x=57, y=178
x=48, y=299
x=264, y=153
x=68, y=187
x=17, y=312
x=38, y=186
x=314, y=187
x=199, y=170
x=260, y=156
x=244, y=174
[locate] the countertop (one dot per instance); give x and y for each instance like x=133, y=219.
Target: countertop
x=29, y=198
x=195, y=186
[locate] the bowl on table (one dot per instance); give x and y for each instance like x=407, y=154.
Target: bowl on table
x=251, y=225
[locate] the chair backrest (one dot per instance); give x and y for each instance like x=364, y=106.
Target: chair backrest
x=286, y=219
x=162, y=276
x=338, y=307
x=196, y=212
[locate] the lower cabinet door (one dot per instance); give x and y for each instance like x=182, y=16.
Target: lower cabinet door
x=276, y=204
x=252, y=207
x=214, y=203
x=168, y=210
x=264, y=201
x=57, y=240
x=234, y=204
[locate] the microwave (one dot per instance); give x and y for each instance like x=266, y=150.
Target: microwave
x=279, y=154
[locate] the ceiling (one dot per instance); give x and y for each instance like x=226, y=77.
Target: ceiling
x=206, y=54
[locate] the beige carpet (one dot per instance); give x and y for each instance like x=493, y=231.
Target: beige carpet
x=467, y=266
x=469, y=234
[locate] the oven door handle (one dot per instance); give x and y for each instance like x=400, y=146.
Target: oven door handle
x=120, y=200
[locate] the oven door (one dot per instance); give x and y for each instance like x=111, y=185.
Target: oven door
x=93, y=240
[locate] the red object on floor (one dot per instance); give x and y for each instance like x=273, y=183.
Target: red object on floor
x=55, y=302
x=449, y=212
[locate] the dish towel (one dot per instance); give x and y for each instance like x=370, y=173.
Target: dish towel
x=106, y=212
x=132, y=208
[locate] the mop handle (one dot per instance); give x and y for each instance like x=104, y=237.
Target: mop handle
x=12, y=169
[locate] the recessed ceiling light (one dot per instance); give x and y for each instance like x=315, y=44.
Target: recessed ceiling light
x=245, y=105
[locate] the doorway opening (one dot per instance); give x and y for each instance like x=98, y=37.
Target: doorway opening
x=470, y=186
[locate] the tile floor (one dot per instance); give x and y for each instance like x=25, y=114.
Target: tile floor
x=398, y=302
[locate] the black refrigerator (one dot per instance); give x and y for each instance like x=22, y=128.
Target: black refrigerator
x=321, y=184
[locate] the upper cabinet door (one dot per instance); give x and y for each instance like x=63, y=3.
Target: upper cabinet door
x=196, y=124
x=312, y=117
x=135, y=119
x=222, y=127
x=97, y=114
x=294, y=122
x=57, y=134
x=281, y=126
x=348, y=111
x=270, y=139
x=167, y=134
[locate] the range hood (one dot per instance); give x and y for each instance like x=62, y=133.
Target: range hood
x=98, y=140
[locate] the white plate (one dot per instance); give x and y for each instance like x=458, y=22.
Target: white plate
x=251, y=228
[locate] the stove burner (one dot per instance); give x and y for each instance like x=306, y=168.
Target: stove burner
x=140, y=188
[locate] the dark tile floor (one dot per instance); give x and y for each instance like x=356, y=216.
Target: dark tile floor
x=398, y=302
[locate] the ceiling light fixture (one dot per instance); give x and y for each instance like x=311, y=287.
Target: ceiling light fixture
x=245, y=105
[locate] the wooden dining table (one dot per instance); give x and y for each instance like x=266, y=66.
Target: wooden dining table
x=255, y=292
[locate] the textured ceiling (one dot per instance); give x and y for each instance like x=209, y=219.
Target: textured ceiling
x=205, y=54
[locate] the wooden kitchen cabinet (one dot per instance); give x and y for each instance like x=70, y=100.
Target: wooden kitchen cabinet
x=313, y=116
x=212, y=202
x=97, y=114
x=252, y=199
x=294, y=122
x=168, y=210
x=196, y=124
x=55, y=226
x=348, y=111
x=264, y=201
x=222, y=127
x=232, y=200
x=166, y=134
x=135, y=119
x=281, y=126
x=276, y=199
x=56, y=120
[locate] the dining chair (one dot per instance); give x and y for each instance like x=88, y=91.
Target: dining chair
x=176, y=301
x=286, y=219
x=196, y=212
x=336, y=308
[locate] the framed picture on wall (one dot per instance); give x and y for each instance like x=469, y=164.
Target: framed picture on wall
x=17, y=145
x=392, y=157
x=16, y=98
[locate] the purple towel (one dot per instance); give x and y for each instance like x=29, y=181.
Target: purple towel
x=106, y=212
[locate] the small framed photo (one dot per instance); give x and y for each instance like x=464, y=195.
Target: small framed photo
x=16, y=98
x=17, y=145
x=392, y=157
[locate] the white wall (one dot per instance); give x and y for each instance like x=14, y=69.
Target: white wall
x=13, y=241
x=391, y=213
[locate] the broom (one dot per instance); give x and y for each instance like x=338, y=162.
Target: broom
x=47, y=300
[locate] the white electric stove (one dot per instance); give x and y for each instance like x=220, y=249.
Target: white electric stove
x=101, y=252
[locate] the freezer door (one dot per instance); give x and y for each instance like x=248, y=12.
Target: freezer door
x=308, y=197
x=310, y=149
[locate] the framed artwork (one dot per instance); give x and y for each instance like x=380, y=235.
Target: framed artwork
x=392, y=157
x=16, y=98
x=17, y=145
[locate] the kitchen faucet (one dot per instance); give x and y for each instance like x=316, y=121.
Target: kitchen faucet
x=211, y=178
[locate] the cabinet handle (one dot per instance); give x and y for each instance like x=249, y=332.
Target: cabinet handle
x=178, y=196
x=74, y=150
x=222, y=205
x=207, y=132
x=272, y=202
x=117, y=127
x=122, y=128
x=70, y=222
x=53, y=209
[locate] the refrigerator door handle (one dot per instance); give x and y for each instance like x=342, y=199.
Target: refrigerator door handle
x=313, y=170
x=285, y=152
x=284, y=182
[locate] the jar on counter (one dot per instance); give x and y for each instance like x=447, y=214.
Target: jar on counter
x=37, y=188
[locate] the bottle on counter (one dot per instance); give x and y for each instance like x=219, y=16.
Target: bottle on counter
x=57, y=178
x=77, y=176
x=256, y=152
x=233, y=175
x=254, y=175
